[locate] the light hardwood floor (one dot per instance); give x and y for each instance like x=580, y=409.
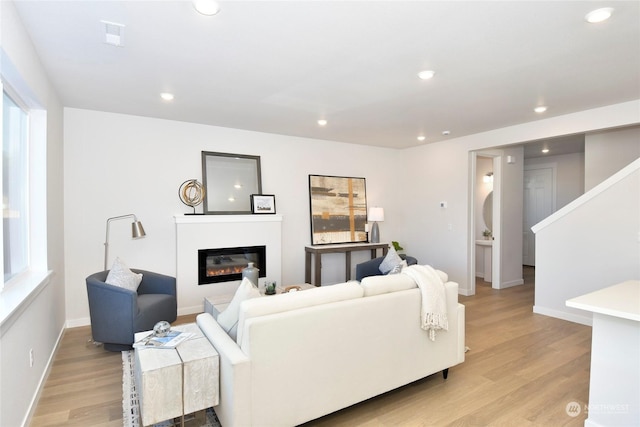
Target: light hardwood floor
x=522, y=369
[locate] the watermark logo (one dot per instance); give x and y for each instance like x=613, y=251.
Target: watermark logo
x=573, y=409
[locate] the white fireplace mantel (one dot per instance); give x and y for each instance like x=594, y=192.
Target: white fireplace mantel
x=209, y=219
x=194, y=232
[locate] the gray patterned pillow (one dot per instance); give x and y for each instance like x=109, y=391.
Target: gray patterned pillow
x=390, y=261
x=121, y=276
x=398, y=268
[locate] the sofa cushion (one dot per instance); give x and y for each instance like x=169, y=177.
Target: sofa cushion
x=228, y=319
x=121, y=276
x=376, y=285
x=390, y=261
x=296, y=300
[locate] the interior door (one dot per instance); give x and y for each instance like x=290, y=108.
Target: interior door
x=539, y=203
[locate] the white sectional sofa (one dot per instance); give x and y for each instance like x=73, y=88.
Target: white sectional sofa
x=302, y=355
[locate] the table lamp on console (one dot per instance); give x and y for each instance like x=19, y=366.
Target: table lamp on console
x=376, y=214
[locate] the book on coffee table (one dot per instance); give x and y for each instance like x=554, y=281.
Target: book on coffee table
x=171, y=340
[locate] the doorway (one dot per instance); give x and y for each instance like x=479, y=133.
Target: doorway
x=485, y=216
x=538, y=203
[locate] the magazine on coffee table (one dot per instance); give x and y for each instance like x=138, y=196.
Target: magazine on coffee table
x=171, y=340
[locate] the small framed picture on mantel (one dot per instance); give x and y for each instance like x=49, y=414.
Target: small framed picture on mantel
x=263, y=204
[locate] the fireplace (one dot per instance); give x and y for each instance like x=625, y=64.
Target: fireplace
x=226, y=264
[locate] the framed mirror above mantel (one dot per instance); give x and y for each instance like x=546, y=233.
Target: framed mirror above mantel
x=229, y=181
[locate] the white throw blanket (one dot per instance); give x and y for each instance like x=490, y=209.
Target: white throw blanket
x=433, y=313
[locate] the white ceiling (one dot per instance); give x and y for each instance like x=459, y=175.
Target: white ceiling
x=279, y=66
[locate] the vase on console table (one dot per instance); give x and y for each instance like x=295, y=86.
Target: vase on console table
x=251, y=273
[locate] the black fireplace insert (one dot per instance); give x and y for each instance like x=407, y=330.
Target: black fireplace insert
x=226, y=264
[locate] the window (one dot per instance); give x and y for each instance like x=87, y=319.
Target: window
x=15, y=187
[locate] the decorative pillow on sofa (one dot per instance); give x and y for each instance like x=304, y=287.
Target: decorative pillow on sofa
x=228, y=319
x=398, y=268
x=390, y=261
x=121, y=276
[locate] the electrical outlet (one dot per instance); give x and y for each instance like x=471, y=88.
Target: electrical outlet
x=31, y=358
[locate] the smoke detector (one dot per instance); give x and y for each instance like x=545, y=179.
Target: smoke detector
x=113, y=33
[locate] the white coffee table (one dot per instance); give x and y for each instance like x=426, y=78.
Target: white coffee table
x=174, y=382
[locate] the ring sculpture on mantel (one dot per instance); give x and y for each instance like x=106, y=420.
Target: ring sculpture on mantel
x=191, y=193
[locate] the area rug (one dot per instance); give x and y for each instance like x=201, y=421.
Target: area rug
x=131, y=405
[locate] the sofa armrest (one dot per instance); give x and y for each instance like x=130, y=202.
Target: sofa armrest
x=156, y=283
x=110, y=308
x=234, y=408
x=368, y=268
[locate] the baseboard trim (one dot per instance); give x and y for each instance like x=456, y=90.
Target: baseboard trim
x=563, y=315
x=43, y=379
x=75, y=323
x=465, y=292
x=511, y=284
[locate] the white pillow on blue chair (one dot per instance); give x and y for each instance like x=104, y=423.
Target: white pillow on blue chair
x=121, y=276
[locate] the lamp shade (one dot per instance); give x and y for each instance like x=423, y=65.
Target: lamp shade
x=137, y=230
x=376, y=214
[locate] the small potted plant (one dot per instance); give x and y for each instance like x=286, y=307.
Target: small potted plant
x=487, y=234
x=397, y=246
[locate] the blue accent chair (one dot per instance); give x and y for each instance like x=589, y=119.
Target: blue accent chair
x=118, y=313
x=372, y=267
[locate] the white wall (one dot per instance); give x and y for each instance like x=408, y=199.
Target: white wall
x=440, y=171
x=118, y=164
x=588, y=245
x=104, y=178
x=39, y=321
x=512, y=188
x=609, y=151
x=484, y=165
x=507, y=243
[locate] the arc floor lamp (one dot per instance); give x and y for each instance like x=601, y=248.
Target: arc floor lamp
x=137, y=232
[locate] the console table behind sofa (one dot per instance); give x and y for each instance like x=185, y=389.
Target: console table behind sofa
x=347, y=248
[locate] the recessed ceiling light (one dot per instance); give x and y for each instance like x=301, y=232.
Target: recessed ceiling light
x=426, y=74
x=545, y=150
x=206, y=7
x=421, y=138
x=598, y=15
x=167, y=96
x=322, y=122
x=446, y=133
x=540, y=109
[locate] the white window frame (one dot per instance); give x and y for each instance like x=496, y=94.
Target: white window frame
x=24, y=151
x=21, y=287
